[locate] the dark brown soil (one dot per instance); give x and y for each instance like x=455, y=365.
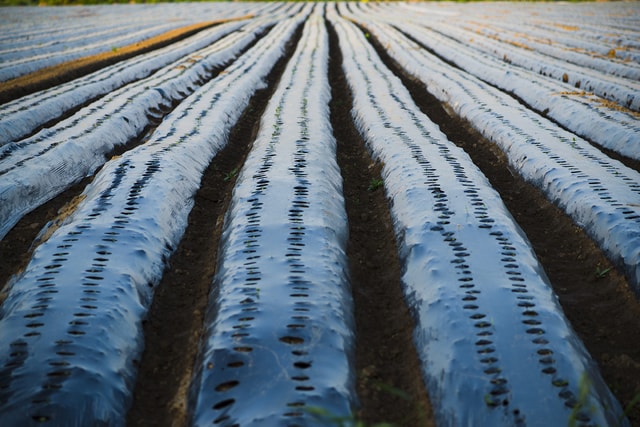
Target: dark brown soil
x=173, y=327
x=390, y=384
x=603, y=310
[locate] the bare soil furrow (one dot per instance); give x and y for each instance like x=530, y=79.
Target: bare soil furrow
x=588, y=285
x=389, y=381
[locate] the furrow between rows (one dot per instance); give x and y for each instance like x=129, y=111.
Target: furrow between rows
x=174, y=324
x=388, y=376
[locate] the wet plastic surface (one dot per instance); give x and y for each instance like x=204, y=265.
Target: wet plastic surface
x=280, y=338
x=495, y=346
x=70, y=328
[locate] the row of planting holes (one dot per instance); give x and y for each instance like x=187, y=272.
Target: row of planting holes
x=253, y=274
x=519, y=287
x=298, y=284
x=60, y=365
x=509, y=258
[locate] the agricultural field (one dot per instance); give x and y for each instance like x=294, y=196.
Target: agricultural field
x=332, y=214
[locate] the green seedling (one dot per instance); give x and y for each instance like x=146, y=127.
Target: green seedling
x=582, y=404
x=602, y=272
x=230, y=175
x=490, y=401
x=324, y=416
x=392, y=390
x=374, y=184
x=328, y=418
x=635, y=401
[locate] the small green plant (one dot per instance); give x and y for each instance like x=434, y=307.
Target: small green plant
x=330, y=419
x=601, y=273
x=631, y=405
x=582, y=401
x=230, y=175
x=374, y=184
x=629, y=408
x=326, y=418
x=490, y=401
x=635, y=401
